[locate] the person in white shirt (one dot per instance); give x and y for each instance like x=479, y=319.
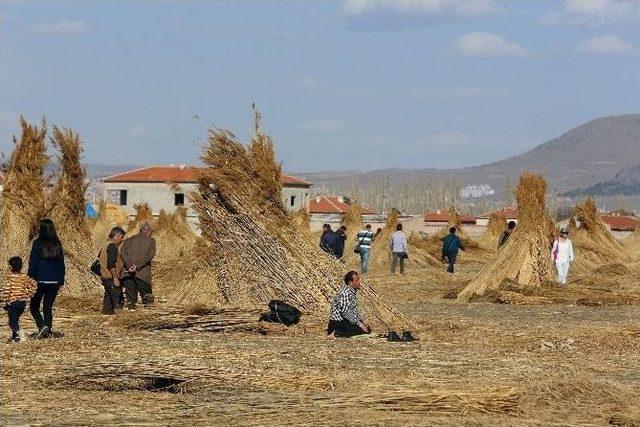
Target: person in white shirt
x=562, y=255
x=398, y=246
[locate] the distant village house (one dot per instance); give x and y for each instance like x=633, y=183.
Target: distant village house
x=330, y=209
x=508, y=213
x=167, y=188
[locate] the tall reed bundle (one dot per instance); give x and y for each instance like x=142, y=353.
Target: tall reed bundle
x=491, y=236
x=67, y=210
x=174, y=237
x=109, y=216
x=593, y=244
x=380, y=255
x=525, y=257
x=256, y=253
x=353, y=218
x=143, y=214
x=23, y=195
x=302, y=219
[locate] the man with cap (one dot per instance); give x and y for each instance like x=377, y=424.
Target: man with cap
x=137, y=254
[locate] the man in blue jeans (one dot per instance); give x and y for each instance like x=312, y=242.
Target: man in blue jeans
x=450, y=246
x=364, y=238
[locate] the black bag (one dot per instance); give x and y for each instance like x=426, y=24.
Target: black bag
x=281, y=312
x=95, y=267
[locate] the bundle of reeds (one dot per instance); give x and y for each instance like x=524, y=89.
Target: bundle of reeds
x=67, y=210
x=525, y=257
x=255, y=251
x=380, y=255
x=491, y=236
x=109, y=216
x=353, y=218
x=593, y=244
x=302, y=219
x=143, y=214
x=23, y=194
x=174, y=237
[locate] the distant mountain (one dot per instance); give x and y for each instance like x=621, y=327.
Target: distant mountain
x=579, y=158
x=97, y=170
x=625, y=183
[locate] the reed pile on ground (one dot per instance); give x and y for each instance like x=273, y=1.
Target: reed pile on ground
x=109, y=216
x=143, y=214
x=302, y=219
x=255, y=251
x=67, y=210
x=491, y=236
x=525, y=257
x=593, y=244
x=23, y=196
x=633, y=241
x=174, y=237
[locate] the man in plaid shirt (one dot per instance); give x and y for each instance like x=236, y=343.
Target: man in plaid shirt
x=345, y=319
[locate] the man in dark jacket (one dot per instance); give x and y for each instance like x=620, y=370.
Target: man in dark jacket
x=450, y=246
x=342, y=238
x=137, y=254
x=507, y=233
x=330, y=241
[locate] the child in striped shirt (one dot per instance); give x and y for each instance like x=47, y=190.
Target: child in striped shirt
x=16, y=291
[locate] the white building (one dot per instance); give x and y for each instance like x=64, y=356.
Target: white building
x=167, y=187
x=508, y=213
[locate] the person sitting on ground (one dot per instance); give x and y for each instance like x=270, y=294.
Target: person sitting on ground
x=507, y=233
x=345, y=320
x=399, y=249
x=450, y=247
x=364, y=238
x=47, y=268
x=110, y=272
x=17, y=290
x=137, y=255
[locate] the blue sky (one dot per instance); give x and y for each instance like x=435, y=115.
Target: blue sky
x=342, y=85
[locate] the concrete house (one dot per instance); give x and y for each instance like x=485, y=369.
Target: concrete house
x=167, y=187
x=329, y=209
x=509, y=213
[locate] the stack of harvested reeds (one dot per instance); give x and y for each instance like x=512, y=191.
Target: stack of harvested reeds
x=491, y=236
x=143, y=214
x=593, y=244
x=109, y=216
x=255, y=251
x=67, y=210
x=23, y=194
x=174, y=237
x=353, y=218
x=525, y=258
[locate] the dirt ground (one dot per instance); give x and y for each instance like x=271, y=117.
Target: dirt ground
x=475, y=364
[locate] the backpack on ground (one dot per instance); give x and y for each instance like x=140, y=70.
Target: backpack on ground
x=281, y=312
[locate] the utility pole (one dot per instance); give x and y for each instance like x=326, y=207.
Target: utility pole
x=257, y=118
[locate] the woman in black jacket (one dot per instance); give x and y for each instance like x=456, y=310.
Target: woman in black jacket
x=46, y=266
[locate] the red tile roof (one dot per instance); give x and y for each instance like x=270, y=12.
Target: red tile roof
x=620, y=222
x=332, y=205
x=506, y=212
x=443, y=216
x=178, y=174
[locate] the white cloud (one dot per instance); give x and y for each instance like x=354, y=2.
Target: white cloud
x=324, y=126
x=461, y=8
x=61, y=28
x=610, y=44
x=485, y=45
x=460, y=93
x=138, y=130
x=594, y=12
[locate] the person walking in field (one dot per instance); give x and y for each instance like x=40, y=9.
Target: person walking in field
x=46, y=267
x=342, y=239
x=111, y=271
x=364, y=238
x=17, y=290
x=137, y=254
x=399, y=249
x=562, y=255
x=345, y=319
x=507, y=233
x=451, y=244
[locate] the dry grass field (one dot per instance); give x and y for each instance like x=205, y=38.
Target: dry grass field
x=478, y=363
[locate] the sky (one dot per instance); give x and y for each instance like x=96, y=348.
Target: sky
x=341, y=85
